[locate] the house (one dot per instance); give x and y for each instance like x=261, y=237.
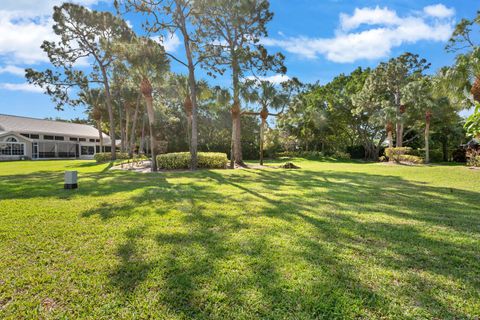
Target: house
x=29, y=138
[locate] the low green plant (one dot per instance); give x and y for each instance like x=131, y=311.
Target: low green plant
x=394, y=153
x=107, y=156
x=341, y=155
x=410, y=159
x=301, y=154
x=402, y=154
x=181, y=160
x=474, y=161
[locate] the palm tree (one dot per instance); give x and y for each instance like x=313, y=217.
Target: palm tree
x=181, y=87
x=95, y=101
x=149, y=65
x=266, y=94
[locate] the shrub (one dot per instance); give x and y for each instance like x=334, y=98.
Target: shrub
x=402, y=154
x=459, y=155
x=474, y=161
x=435, y=154
x=394, y=153
x=410, y=159
x=107, y=156
x=181, y=160
x=341, y=155
x=356, y=152
x=301, y=154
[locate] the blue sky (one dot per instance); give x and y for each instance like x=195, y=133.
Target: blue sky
x=320, y=39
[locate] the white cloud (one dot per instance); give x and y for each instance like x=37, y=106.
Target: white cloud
x=25, y=87
x=439, y=11
x=275, y=79
x=368, y=16
x=35, y=8
x=170, y=42
x=24, y=25
x=13, y=70
x=387, y=31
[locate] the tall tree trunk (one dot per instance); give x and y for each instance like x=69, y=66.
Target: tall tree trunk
x=232, y=156
x=146, y=89
x=127, y=124
x=428, y=117
x=445, y=148
x=189, y=135
x=236, y=114
x=142, y=138
x=100, y=133
x=262, y=139
x=152, y=147
x=131, y=143
x=122, y=130
x=192, y=83
x=399, y=126
x=111, y=118
x=389, y=128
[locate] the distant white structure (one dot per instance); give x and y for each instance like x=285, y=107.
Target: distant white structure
x=30, y=138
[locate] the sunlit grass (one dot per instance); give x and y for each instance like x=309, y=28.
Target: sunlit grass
x=332, y=240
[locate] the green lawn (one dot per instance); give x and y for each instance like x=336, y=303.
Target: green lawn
x=332, y=240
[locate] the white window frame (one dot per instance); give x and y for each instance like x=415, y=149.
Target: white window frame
x=11, y=148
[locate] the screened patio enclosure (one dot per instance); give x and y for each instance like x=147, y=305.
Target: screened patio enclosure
x=63, y=150
x=51, y=149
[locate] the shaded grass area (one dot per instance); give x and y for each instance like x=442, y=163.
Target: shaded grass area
x=332, y=240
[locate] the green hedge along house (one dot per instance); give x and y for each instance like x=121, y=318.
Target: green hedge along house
x=30, y=138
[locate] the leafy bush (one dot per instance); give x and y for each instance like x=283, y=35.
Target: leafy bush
x=356, y=152
x=459, y=155
x=314, y=155
x=402, y=154
x=474, y=161
x=301, y=154
x=181, y=160
x=341, y=155
x=394, y=153
x=107, y=156
x=410, y=159
x=435, y=154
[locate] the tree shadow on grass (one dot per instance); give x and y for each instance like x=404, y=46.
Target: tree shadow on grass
x=304, y=252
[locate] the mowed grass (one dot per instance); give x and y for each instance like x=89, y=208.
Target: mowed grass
x=332, y=240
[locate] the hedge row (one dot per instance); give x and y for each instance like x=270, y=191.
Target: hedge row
x=474, y=161
x=314, y=155
x=402, y=154
x=107, y=156
x=181, y=160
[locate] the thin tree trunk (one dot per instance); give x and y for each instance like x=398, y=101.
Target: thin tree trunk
x=100, y=133
x=389, y=129
x=111, y=117
x=122, y=130
x=445, y=148
x=262, y=137
x=152, y=147
x=142, y=138
x=189, y=135
x=399, y=125
x=127, y=124
x=193, y=141
x=134, y=127
x=236, y=114
x=232, y=155
x=427, y=137
x=146, y=89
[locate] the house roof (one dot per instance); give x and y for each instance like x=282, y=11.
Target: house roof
x=7, y=133
x=53, y=127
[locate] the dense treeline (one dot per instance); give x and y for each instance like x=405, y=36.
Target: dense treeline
x=131, y=93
